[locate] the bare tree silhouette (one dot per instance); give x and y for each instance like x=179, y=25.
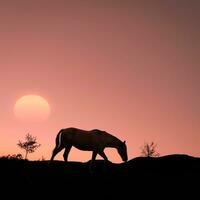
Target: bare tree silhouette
x=29, y=145
x=149, y=150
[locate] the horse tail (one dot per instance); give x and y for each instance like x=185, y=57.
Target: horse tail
x=58, y=138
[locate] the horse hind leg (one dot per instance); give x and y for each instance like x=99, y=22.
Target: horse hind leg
x=55, y=152
x=66, y=152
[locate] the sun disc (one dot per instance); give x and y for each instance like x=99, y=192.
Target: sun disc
x=32, y=108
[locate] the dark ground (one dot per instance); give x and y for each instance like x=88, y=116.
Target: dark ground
x=166, y=176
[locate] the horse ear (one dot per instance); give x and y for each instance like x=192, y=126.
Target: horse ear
x=124, y=141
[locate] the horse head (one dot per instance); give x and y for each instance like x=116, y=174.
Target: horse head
x=122, y=150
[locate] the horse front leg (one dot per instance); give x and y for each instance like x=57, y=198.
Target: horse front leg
x=94, y=154
x=103, y=155
x=66, y=152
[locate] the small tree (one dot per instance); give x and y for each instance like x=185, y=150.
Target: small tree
x=149, y=150
x=30, y=145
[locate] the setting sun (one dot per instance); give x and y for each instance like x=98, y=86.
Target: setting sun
x=32, y=108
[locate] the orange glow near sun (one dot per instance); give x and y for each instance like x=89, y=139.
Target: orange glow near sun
x=32, y=108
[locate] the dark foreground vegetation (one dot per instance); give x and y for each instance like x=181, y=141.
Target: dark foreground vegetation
x=170, y=174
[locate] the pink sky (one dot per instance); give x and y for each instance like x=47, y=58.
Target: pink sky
x=131, y=68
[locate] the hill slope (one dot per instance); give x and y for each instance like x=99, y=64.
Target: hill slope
x=148, y=174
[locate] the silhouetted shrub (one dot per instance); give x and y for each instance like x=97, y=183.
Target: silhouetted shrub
x=12, y=157
x=16, y=157
x=149, y=150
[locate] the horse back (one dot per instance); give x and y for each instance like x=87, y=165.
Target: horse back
x=82, y=139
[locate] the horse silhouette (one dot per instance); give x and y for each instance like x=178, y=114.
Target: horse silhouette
x=93, y=140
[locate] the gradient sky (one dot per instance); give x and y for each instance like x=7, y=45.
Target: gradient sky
x=131, y=68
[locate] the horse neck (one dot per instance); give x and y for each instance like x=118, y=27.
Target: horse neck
x=114, y=142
